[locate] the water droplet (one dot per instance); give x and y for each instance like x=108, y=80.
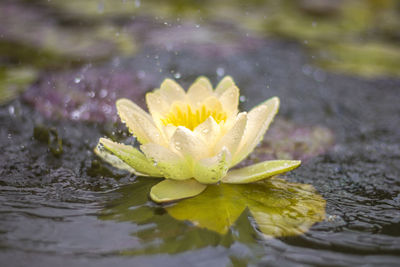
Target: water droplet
x=75, y=114
x=177, y=145
x=177, y=75
x=100, y=7
x=220, y=71
x=91, y=94
x=242, y=98
x=11, y=110
x=137, y=3
x=78, y=79
x=103, y=93
x=197, y=26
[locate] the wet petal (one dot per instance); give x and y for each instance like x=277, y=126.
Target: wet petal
x=121, y=156
x=197, y=93
x=170, y=164
x=209, y=131
x=212, y=170
x=114, y=160
x=258, y=121
x=169, y=190
x=169, y=130
x=224, y=84
x=260, y=171
x=205, y=82
x=232, y=138
x=230, y=100
x=139, y=122
x=157, y=106
x=171, y=91
x=187, y=143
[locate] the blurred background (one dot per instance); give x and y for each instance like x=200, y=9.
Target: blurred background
x=355, y=37
x=335, y=64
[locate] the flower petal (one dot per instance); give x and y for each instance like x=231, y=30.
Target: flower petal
x=139, y=122
x=212, y=170
x=209, y=131
x=114, y=160
x=157, y=106
x=171, y=91
x=169, y=190
x=169, y=130
x=230, y=100
x=205, y=82
x=185, y=142
x=224, y=84
x=232, y=138
x=170, y=164
x=109, y=151
x=258, y=121
x=198, y=92
x=260, y=171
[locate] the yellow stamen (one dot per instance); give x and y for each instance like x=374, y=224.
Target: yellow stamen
x=183, y=114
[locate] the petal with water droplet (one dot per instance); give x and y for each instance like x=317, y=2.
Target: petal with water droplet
x=224, y=84
x=230, y=100
x=126, y=157
x=139, y=122
x=212, y=170
x=171, y=91
x=260, y=171
x=188, y=143
x=258, y=121
x=233, y=137
x=199, y=90
x=170, y=164
x=209, y=131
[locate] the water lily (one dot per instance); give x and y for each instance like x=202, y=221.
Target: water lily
x=193, y=138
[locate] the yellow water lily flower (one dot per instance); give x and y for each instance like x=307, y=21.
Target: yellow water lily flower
x=193, y=138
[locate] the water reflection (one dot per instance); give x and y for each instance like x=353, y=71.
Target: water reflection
x=217, y=217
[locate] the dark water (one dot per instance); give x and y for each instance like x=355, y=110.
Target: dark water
x=61, y=206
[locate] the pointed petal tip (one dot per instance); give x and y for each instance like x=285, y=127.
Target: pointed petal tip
x=273, y=100
x=122, y=101
x=260, y=171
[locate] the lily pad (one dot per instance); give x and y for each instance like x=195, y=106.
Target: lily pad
x=279, y=208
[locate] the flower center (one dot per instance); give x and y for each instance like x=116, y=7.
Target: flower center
x=190, y=117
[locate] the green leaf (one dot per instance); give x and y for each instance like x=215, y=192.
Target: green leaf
x=170, y=190
x=260, y=171
x=279, y=208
